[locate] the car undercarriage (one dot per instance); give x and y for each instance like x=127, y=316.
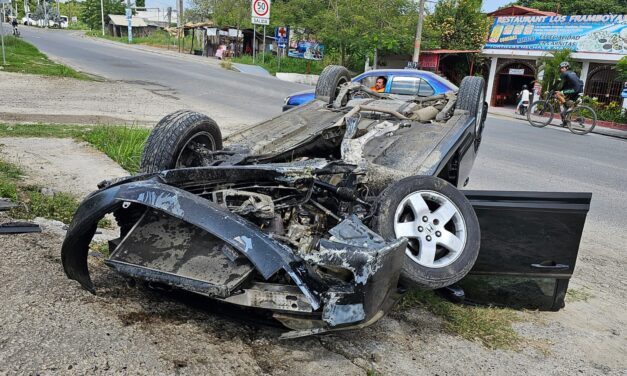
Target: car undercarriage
x=315, y=215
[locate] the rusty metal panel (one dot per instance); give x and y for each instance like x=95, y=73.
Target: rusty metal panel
x=164, y=249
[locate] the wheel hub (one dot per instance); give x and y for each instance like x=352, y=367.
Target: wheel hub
x=434, y=226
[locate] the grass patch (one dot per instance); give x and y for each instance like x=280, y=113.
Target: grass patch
x=101, y=247
x=577, y=295
x=288, y=64
x=60, y=206
x=23, y=57
x=489, y=325
x=123, y=144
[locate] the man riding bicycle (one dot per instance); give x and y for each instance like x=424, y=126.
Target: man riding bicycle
x=571, y=87
x=14, y=24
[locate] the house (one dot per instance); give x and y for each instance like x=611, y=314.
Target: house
x=117, y=26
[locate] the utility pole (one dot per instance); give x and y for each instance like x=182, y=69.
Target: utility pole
x=179, y=13
x=129, y=21
x=46, y=13
x=59, y=14
x=421, y=15
x=102, y=16
x=169, y=16
x=4, y=59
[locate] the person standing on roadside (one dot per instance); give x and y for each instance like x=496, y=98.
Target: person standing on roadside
x=536, y=90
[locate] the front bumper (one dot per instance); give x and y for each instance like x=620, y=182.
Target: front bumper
x=194, y=230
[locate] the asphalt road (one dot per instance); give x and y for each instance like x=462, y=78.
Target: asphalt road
x=513, y=156
x=192, y=79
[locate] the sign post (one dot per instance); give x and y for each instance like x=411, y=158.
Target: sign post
x=260, y=15
x=281, y=34
x=4, y=59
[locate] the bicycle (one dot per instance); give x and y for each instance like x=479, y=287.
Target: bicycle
x=16, y=32
x=580, y=119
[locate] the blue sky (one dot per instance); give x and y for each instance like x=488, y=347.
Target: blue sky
x=491, y=5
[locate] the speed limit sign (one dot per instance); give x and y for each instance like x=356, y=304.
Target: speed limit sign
x=260, y=12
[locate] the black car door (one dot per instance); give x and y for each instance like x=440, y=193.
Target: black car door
x=529, y=246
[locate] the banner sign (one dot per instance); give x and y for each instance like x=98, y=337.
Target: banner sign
x=308, y=50
x=583, y=33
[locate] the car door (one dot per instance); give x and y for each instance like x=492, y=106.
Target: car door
x=529, y=246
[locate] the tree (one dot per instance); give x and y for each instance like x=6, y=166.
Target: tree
x=45, y=9
x=550, y=64
x=577, y=6
x=621, y=68
x=460, y=25
x=91, y=13
x=72, y=8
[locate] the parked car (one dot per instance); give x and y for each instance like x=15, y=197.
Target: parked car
x=316, y=214
x=401, y=82
x=61, y=22
x=42, y=23
x=28, y=21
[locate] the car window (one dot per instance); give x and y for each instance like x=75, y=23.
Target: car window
x=368, y=81
x=411, y=86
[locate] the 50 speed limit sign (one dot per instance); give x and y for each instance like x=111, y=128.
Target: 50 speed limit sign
x=260, y=12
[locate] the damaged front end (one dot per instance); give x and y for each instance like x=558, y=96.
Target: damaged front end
x=259, y=236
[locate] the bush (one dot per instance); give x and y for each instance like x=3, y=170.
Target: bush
x=606, y=112
x=288, y=64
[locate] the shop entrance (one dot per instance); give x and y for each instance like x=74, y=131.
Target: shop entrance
x=509, y=81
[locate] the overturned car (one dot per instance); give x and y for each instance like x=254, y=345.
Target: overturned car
x=317, y=214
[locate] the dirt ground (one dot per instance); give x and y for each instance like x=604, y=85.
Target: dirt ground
x=50, y=325
x=69, y=101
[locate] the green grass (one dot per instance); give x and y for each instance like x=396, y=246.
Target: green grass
x=60, y=206
x=288, y=64
x=577, y=295
x=123, y=144
x=101, y=247
x=489, y=325
x=157, y=38
x=23, y=57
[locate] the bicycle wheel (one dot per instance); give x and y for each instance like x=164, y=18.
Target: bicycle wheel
x=540, y=113
x=582, y=120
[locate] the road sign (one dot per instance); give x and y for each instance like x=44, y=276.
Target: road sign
x=260, y=14
x=282, y=35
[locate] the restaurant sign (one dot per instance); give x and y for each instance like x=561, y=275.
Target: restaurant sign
x=580, y=33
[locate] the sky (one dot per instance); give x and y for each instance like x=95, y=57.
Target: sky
x=492, y=5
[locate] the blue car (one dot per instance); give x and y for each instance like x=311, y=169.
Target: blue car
x=399, y=82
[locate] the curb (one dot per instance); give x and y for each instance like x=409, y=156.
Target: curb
x=604, y=131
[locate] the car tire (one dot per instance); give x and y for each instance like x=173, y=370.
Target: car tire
x=442, y=249
x=167, y=146
x=329, y=82
x=471, y=98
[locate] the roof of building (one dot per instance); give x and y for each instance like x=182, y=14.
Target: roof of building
x=439, y=52
x=517, y=10
x=120, y=20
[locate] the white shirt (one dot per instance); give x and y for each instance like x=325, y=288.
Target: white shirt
x=524, y=96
